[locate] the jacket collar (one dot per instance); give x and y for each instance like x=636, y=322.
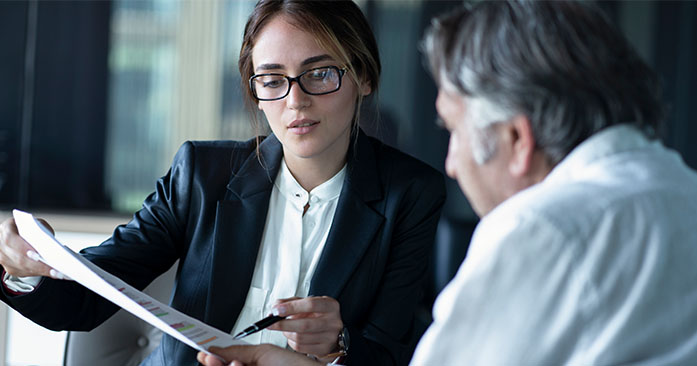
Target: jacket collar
x=356, y=222
x=242, y=214
x=258, y=172
x=239, y=226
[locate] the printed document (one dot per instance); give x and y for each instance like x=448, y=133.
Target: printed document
x=189, y=330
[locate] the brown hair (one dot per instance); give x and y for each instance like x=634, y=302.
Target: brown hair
x=339, y=27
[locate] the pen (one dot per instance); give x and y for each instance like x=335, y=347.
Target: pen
x=261, y=324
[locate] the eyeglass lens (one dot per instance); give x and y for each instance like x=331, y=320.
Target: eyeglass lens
x=321, y=80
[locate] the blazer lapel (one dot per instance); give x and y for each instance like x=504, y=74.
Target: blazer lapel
x=355, y=222
x=239, y=226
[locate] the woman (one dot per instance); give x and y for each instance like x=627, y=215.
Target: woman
x=317, y=221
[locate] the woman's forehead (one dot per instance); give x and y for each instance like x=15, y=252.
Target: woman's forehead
x=283, y=43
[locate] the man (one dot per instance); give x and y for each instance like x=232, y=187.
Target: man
x=586, y=253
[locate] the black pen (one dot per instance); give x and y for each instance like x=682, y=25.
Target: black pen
x=261, y=324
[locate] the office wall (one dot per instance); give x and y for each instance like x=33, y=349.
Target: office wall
x=13, y=24
x=665, y=35
x=675, y=58
x=53, y=110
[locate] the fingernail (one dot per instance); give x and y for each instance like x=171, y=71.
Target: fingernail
x=33, y=255
x=57, y=275
x=278, y=310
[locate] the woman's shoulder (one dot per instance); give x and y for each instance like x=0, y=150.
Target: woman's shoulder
x=214, y=154
x=198, y=149
x=406, y=179
x=389, y=158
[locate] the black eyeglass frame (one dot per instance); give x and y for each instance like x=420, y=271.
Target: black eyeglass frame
x=342, y=71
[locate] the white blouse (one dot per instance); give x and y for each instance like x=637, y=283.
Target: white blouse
x=290, y=248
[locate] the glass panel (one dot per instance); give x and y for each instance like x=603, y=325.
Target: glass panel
x=142, y=85
x=173, y=77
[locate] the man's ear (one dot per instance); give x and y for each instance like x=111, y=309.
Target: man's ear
x=523, y=146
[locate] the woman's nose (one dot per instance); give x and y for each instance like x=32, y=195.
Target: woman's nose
x=297, y=98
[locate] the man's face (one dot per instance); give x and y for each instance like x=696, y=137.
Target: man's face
x=483, y=184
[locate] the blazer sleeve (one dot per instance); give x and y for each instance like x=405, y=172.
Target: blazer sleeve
x=390, y=333
x=137, y=253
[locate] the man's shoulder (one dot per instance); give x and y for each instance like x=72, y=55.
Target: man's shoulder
x=576, y=208
x=563, y=211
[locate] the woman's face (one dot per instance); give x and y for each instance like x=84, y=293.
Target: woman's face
x=313, y=127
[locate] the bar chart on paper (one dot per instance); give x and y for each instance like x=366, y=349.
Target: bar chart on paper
x=201, y=334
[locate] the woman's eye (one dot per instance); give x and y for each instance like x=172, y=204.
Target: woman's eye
x=272, y=83
x=319, y=74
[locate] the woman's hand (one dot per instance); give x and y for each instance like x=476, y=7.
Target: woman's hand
x=312, y=325
x=18, y=258
x=261, y=355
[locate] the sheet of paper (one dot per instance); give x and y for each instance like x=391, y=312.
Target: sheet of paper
x=189, y=330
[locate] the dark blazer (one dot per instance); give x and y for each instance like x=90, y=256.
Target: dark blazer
x=374, y=262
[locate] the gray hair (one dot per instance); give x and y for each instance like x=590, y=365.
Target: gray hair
x=559, y=63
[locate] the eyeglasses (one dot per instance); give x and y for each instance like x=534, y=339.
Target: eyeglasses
x=317, y=81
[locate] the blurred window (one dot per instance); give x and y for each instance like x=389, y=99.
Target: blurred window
x=173, y=77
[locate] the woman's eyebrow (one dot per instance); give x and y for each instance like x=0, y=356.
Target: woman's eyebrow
x=313, y=59
x=265, y=67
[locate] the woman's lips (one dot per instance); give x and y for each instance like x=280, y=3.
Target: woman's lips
x=301, y=127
